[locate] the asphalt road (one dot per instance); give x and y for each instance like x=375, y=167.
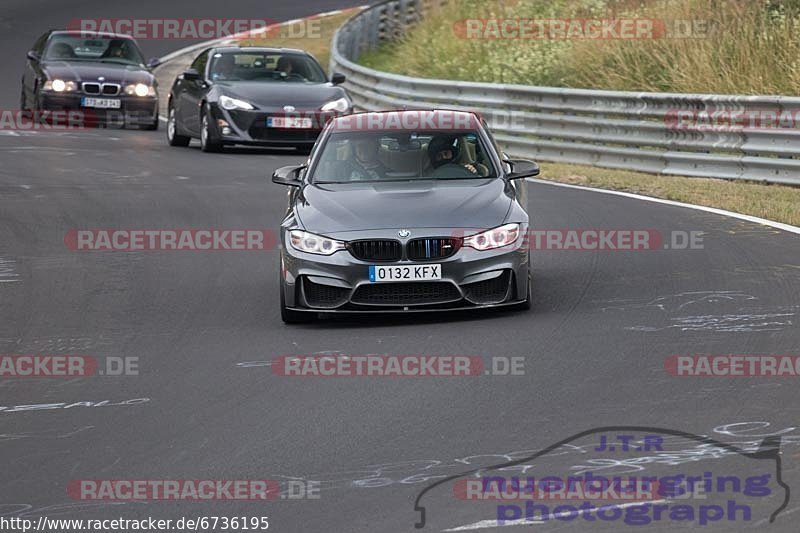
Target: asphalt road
x=205, y=325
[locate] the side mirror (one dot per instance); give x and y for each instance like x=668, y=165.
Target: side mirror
x=522, y=168
x=191, y=75
x=153, y=63
x=33, y=56
x=288, y=175
x=338, y=78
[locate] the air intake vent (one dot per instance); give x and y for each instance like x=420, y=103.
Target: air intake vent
x=378, y=250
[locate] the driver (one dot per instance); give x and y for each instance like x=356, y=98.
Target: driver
x=284, y=66
x=117, y=48
x=367, y=165
x=444, y=152
x=224, y=67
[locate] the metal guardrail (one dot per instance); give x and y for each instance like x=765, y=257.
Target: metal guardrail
x=615, y=129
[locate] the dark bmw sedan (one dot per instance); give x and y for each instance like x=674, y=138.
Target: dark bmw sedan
x=103, y=75
x=253, y=96
x=404, y=211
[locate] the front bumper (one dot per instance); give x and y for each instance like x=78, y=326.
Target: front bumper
x=340, y=283
x=250, y=127
x=133, y=110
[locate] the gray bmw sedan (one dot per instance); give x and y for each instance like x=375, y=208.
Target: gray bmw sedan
x=404, y=211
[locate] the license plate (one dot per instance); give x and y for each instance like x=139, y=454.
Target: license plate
x=102, y=103
x=289, y=122
x=381, y=273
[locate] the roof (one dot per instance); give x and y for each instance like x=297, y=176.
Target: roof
x=259, y=49
x=88, y=34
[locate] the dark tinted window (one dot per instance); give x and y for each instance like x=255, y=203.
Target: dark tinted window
x=73, y=47
x=400, y=155
x=199, y=64
x=38, y=46
x=266, y=67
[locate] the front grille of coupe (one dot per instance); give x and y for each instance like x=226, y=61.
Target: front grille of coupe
x=376, y=250
x=491, y=291
x=91, y=88
x=110, y=89
x=324, y=296
x=106, y=89
x=431, y=248
x=406, y=293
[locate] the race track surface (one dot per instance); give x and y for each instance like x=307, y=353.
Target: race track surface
x=205, y=327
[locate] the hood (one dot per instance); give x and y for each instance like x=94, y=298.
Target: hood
x=468, y=204
x=266, y=95
x=89, y=71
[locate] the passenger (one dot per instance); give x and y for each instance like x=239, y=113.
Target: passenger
x=61, y=51
x=444, y=152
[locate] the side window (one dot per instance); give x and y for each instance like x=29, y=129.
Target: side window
x=38, y=46
x=200, y=62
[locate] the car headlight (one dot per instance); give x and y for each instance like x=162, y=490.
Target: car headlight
x=341, y=105
x=493, y=238
x=234, y=103
x=140, y=89
x=314, y=244
x=60, y=86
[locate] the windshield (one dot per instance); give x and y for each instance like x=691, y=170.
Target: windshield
x=265, y=67
x=66, y=47
x=404, y=155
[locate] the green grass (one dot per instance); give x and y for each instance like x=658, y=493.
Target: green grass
x=751, y=47
x=773, y=202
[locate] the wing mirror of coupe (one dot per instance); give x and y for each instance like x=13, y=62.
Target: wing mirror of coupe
x=338, y=78
x=191, y=75
x=522, y=168
x=153, y=63
x=33, y=56
x=289, y=175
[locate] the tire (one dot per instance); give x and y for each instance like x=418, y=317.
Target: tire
x=292, y=317
x=207, y=143
x=173, y=139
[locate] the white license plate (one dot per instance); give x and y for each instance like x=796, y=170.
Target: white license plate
x=381, y=273
x=102, y=103
x=289, y=122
